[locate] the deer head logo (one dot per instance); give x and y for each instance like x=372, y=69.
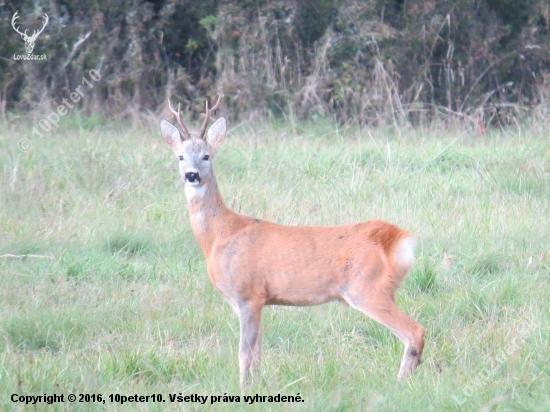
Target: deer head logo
x=29, y=40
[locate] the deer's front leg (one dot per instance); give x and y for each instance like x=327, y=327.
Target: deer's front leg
x=250, y=317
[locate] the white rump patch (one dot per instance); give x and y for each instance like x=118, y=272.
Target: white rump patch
x=404, y=253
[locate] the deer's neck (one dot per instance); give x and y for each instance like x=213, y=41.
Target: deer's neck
x=210, y=218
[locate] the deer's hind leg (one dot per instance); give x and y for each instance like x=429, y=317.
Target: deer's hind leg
x=379, y=304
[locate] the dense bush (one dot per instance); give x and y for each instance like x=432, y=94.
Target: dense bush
x=374, y=61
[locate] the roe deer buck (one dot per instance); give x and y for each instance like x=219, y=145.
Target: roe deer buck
x=254, y=263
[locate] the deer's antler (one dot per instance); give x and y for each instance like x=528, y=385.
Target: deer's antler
x=178, y=117
x=208, y=114
x=37, y=32
x=13, y=20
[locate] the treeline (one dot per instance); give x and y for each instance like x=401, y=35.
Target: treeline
x=371, y=61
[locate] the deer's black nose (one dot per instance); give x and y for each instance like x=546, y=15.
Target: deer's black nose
x=192, y=177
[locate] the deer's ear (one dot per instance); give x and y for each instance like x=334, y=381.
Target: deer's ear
x=216, y=133
x=171, y=135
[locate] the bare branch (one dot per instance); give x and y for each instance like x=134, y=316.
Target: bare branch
x=77, y=44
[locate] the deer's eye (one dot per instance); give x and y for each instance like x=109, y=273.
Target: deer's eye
x=181, y=157
x=206, y=157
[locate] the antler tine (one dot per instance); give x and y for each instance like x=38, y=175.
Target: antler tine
x=212, y=110
x=208, y=114
x=35, y=33
x=180, y=122
x=44, y=24
x=14, y=22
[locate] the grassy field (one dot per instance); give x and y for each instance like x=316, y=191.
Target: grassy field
x=118, y=300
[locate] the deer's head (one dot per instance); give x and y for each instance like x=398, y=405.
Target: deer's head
x=195, y=153
x=29, y=40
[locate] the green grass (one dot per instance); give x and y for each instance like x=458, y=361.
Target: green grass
x=124, y=304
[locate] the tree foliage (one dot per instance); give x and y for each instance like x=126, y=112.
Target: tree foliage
x=373, y=61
